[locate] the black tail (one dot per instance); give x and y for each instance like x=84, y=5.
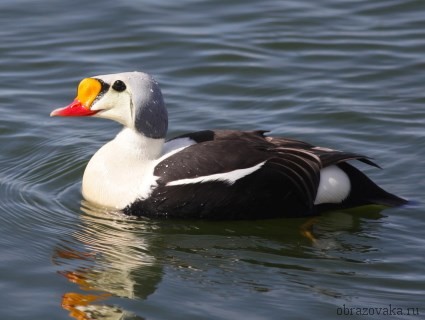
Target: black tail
x=364, y=191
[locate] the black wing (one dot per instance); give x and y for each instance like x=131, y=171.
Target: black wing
x=284, y=185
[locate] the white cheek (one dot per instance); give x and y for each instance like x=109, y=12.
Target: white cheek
x=115, y=106
x=334, y=186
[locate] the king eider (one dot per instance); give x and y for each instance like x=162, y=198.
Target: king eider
x=222, y=174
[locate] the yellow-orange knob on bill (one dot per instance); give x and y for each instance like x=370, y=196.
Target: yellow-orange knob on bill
x=88, y=89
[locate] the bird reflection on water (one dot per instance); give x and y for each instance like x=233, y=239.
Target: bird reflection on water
x=106, y=260
x=111, y=256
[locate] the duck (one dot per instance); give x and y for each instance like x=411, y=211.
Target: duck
x=208, y=174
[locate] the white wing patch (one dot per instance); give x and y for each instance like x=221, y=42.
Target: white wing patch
x=176, y=144
x=228, y=177
x=334, y=186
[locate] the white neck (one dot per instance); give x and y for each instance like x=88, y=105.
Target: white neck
x=116, y=174
x=137, y=145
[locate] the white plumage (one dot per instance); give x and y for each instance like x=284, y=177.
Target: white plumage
x=334, y=186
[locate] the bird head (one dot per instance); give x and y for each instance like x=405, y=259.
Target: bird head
x=133, y=99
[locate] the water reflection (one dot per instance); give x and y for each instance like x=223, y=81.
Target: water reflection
x=112, y=256
x=108, y=258
x=325, y=232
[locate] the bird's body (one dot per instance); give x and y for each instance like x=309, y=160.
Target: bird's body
x=221, y=174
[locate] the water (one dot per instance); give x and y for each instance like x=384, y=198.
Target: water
x=344, y=74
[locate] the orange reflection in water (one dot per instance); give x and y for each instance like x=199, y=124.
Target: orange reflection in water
x=77, y=303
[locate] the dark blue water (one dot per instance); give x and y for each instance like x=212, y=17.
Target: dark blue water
x=343, y=74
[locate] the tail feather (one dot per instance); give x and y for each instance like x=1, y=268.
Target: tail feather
x=365, y=191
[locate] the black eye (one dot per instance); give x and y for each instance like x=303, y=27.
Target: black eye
x=119, y=86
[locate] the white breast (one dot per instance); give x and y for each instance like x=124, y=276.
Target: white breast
x=122, y=170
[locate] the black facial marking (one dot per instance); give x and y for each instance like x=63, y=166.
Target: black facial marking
x=151, y=116
x=119, y=86
x=103, y=90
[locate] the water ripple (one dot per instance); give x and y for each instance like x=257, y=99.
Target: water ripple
x=340, y=74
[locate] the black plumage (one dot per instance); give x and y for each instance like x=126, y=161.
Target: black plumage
x=285, y=185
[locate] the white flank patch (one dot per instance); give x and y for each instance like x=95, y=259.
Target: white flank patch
x=228, y=177
x=334, y=186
